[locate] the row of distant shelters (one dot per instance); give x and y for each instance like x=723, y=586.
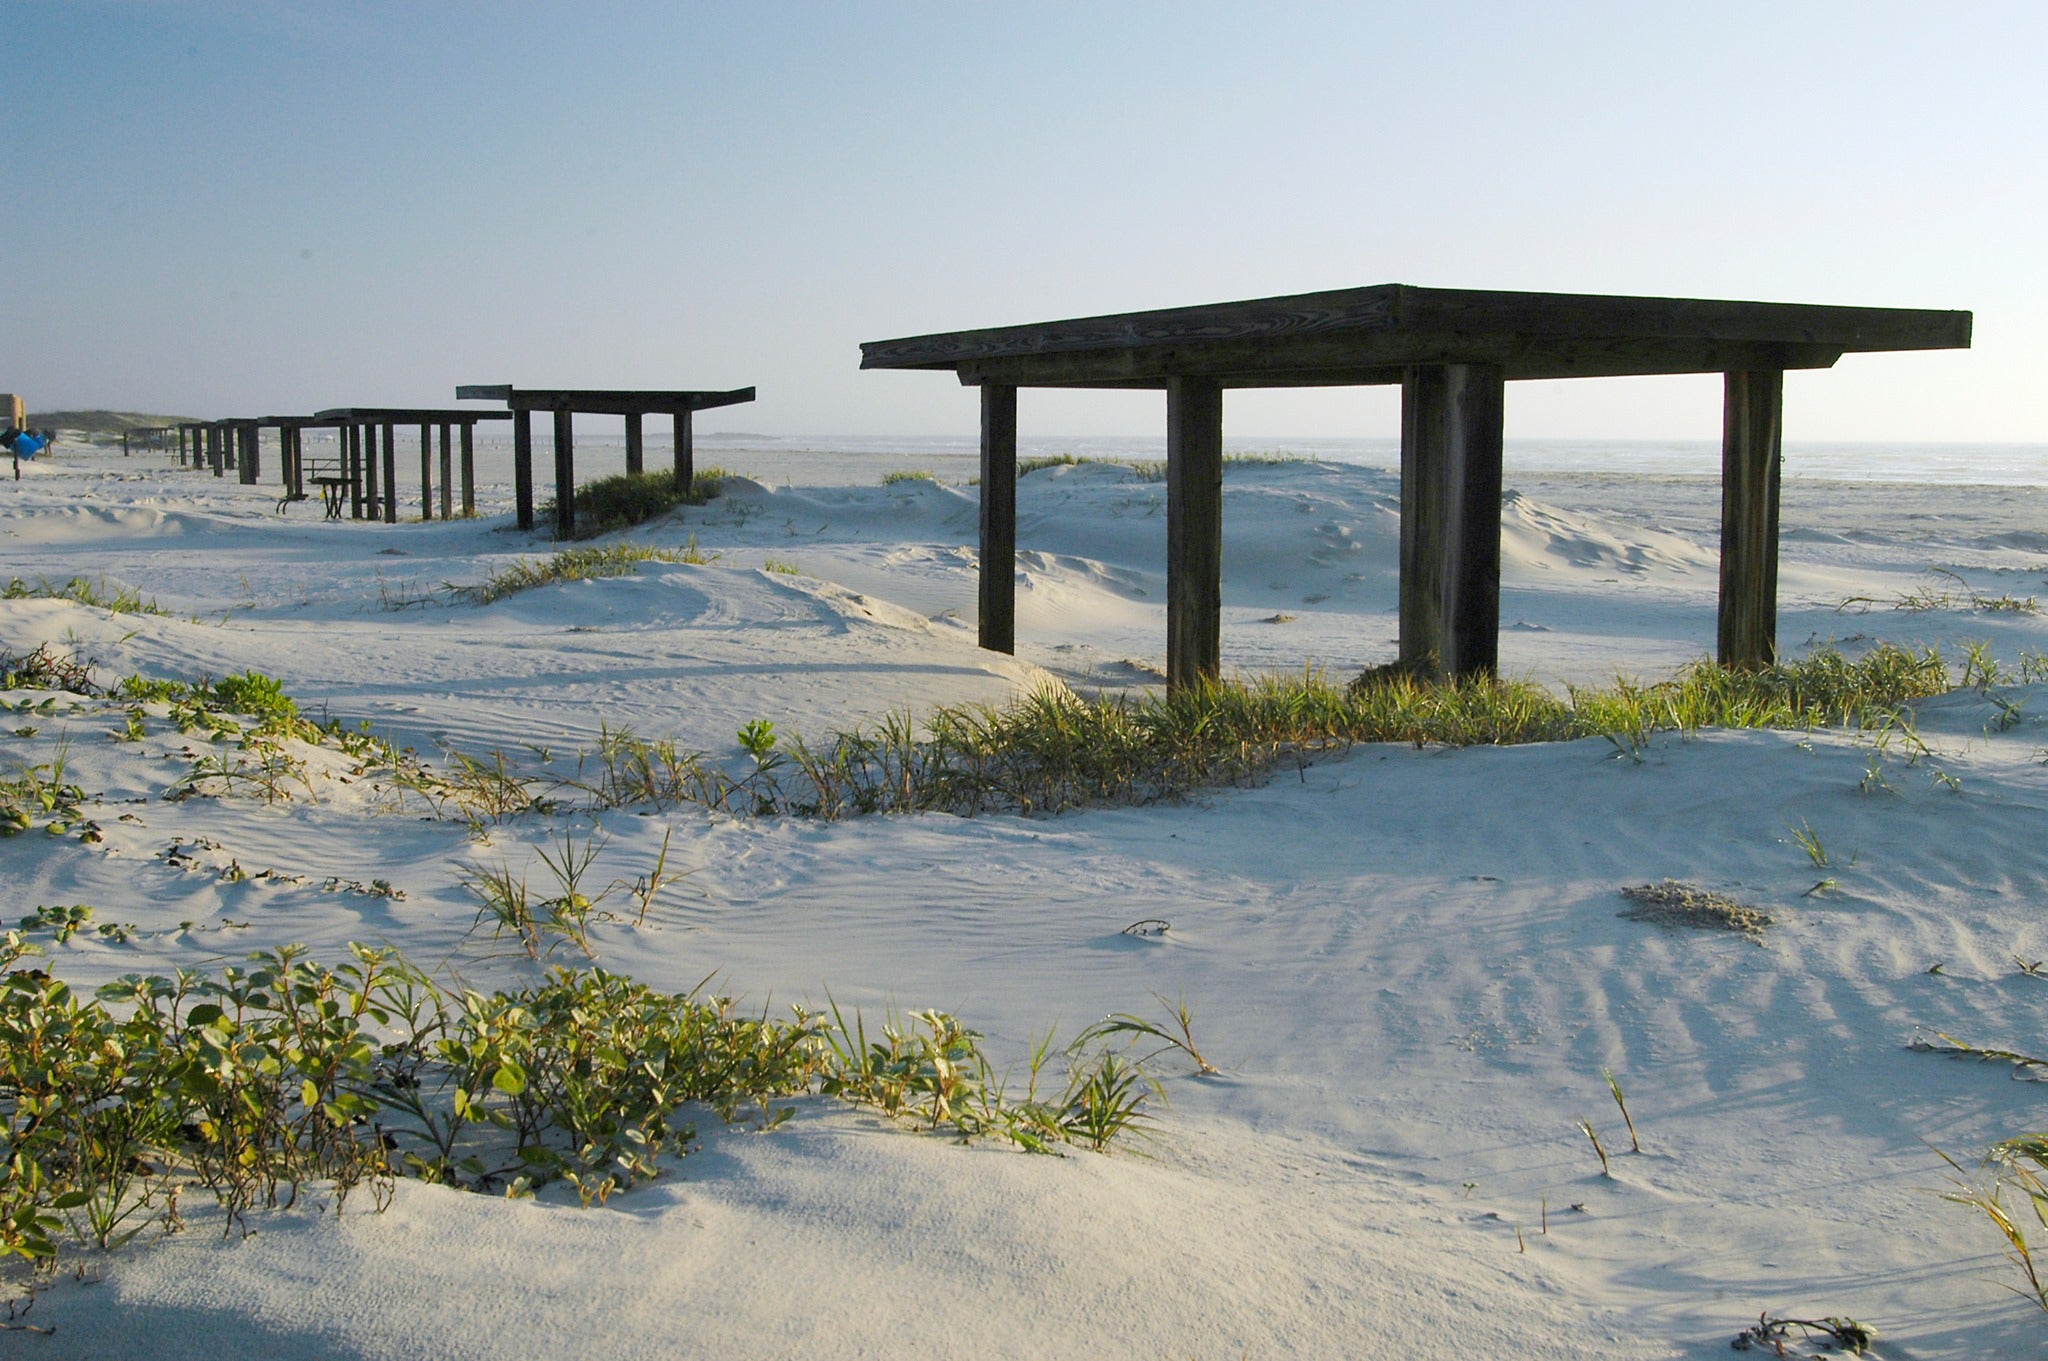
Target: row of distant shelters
x=360, y=477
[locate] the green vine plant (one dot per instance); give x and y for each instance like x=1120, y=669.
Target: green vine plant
x=283, y=1077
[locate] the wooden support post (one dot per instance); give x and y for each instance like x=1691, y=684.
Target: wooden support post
x=468, y=468
x=216, y=453
x=1752, y=430
x=522, y=467
x=998, y=614
x=372, y=507
x=686, y=454
x=426, y=471
x=1450, y=519
x=390, y=475
x=181, y=446
x=447, y=475
x=124, y=444
x=634, y=456
x=349, y=437
x=1194, y=531
x=565, y=475
x=249, y=437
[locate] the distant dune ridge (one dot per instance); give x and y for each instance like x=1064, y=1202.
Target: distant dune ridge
x=114, y=423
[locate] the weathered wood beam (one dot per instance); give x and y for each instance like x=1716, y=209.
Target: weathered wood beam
x=686, y=453
x=599, y=401
x=1451, y=430
x=372, y=479
x=447, y=474
x=635, y=458
x=522, y=466
x=351, y=439
x=1381, y=359
x=1430, y=325
x=468, y=469
x=426, y=472
x=1752, y=421
x=998, y=582
x=565, y=475
x=1194, y=532
x=390, y=473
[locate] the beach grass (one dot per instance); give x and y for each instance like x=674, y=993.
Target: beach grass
x=115, y=599
x=574, y=564
x=1053, y=751
x=609, y=504
x=1154, y=470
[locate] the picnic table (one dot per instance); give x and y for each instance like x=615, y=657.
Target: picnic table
x=1452, y=352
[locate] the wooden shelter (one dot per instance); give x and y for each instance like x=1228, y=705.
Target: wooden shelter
x=202, y=444
x=564, y=403
x=1452, y=352
x=372, y=489
x=147, y=437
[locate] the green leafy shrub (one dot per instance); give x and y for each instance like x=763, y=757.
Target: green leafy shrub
x=267, y=1079
x=46, y=668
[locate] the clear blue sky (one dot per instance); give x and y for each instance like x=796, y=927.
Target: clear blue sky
x=232, y=207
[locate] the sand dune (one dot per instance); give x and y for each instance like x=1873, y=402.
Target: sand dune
x=1410, y=964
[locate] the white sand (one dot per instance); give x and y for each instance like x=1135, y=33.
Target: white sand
x=1408, y=963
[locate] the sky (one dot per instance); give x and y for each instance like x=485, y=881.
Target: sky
x=230, y=207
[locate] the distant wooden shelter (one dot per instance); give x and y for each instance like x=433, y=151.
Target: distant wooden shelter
x=564, y=404
x=1452, y=352
x=201, y=444
x=372, y=490
x=147, y=438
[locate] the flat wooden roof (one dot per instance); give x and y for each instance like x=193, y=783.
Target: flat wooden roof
x=409, y=415
x=602, y=401
x=1356, y=336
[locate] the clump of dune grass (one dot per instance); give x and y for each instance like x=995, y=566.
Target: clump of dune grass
x=628, y=499
x=574, y=564
x=890, y=479
x=1054, y=751
x=1027, y=466
x=1948, y=592
x=115, y=599
x=1138, y=469
x=1268, y=457
x=1154, y=470
x=2017, y=1166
